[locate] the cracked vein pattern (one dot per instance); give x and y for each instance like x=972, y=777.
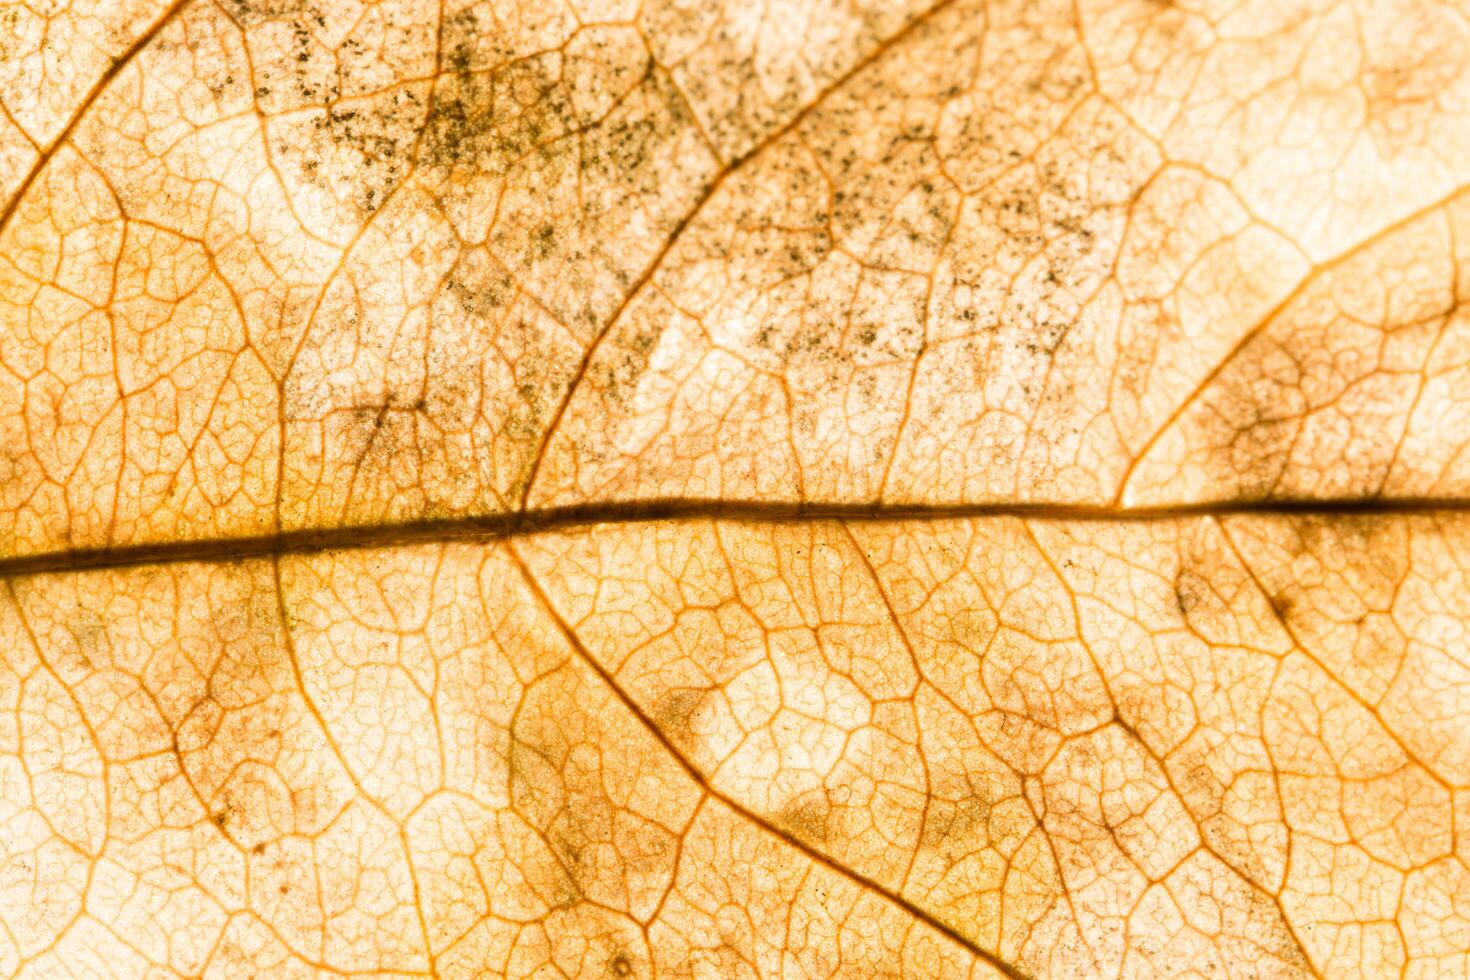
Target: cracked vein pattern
x=1366, y=366
x=384, y=762
x=926, y=748
x=424, y=426
x=52, y=56
x=331, y=264
x=240, y=296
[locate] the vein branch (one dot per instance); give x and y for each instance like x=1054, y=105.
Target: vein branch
x=98, y=87
x=735, y=806
x=714, y=184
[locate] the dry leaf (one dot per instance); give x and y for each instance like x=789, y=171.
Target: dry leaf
x=729, y=488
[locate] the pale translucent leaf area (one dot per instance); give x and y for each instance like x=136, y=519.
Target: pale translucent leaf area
x=307, y=264
x=381, y=762
x=734, y=488
x=53, y=58
x=325, y=265
x=924, y=748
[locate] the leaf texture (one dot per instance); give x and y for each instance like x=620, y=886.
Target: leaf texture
x=830, y=489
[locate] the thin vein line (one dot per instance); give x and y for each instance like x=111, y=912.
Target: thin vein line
x=495, y=526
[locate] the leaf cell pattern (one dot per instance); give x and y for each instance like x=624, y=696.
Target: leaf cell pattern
x=734, y=489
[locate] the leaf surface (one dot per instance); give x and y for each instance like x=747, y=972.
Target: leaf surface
x=734, y=489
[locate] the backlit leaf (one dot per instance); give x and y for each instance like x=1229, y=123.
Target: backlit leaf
x=718, y=488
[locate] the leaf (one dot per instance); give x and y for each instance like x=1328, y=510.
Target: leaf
x=734, y=489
